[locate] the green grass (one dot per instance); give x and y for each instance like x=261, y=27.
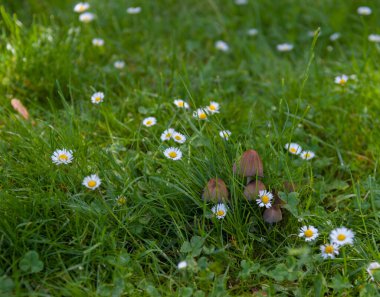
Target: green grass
x=58, y=238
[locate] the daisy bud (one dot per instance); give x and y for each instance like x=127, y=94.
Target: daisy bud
x=250, y=164
x=252, y=190
x=215, y=190
x=272, y=215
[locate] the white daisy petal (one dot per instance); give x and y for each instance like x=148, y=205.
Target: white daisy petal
x=342, y=236
x=341, y=80
x=178, y=137
x=86, y=17
x=329, y=250
x=364, y=10
x=265, y=199
x=173, y=153
x=97, y=42
x=372, y=267
x=374, y=38
x=119, y=64
x=167, y=134
x=201, y=114
x=310, y=233
x=81, y=7
x=133, y=10
x=222, y=46
x=219, y=210
x=92, y=182
x=225, y=134
x=307, y=155
x=285, y=47
x=62, y=156
x=182, y=265
x=213, y=107
x=149, y=122
x=293, y=148
x=97, y=97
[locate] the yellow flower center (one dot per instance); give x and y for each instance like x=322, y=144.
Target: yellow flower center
x=203, y=116
x=308, y=233
x=91, y=183
x=149, y=122
x=63, y=157
x=341, y=237
x=172, y=155
x=212, y=107
x=168, y=135
x=265, y=199
x=329, y=249
x=307, y=155
x=342, y=81
x=97, y=99
x=293, y=150
x=220, y=212
x=178, y=137
x=181, y=104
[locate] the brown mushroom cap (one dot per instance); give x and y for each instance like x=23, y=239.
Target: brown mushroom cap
x=252, y=190
x=249, y=164
x=215, y=190
x=272, y=215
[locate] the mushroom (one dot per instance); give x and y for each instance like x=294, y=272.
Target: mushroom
x=253, y=188
x=249, y=165
x=215, y=190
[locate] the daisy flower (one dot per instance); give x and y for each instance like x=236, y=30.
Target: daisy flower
x=133, y=10
x=182, y=265
x=307, y=155
x=213, y=107
x=284, y=47
x=119, y=64
x=98, y=42
x=97, y=97
x=252, y=32
x=265, y=199
x=364, y=10
x=372, y=267
x=149, y=122
x=225, y=134
x=329, y=250
x=178, y=137
x=86, y=17
x=200, y=113
x=335, y=36
x=310, y=233
x=81, y=7
x=167, y=134
x=121, y=200
x=92, y=182
x=241, y=2
x=293, y=148
x=341, y=80
x=181, y=104
x=342, y=236
x=374, y=37
x=222, y=46
x=173, y=153
x=219, y=210
x=62, y=156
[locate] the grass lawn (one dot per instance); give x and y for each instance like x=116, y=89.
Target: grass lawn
x=110, y=187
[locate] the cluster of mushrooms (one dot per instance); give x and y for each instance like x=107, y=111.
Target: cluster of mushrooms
x=249, y=166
